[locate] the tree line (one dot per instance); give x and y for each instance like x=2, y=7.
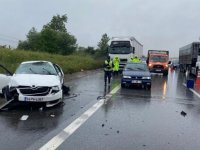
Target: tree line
x=54, y=38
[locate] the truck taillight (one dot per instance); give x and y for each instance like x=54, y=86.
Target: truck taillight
x=150, y=65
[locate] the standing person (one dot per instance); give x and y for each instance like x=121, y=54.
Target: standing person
x=108, y=67
x=116, y=66
x=135, y=59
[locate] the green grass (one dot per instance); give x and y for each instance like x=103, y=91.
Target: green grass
x=70, y=64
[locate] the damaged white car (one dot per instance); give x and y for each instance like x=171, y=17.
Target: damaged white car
x=36, y=81
x=5, y=76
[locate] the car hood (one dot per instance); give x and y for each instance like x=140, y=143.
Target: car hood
x=137, y=73
x=33, y=79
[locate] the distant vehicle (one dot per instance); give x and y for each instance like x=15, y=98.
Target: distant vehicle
x=189, y=58
x=124, y=48
x=5, y=76
x=136, y=74
x=36, y=81
x=174, y=64
x=157, y=61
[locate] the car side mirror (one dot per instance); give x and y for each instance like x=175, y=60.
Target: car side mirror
x=169, y=62
x=59, y=74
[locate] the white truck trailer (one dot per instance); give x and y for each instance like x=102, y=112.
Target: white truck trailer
x=189, y=58
x=124, y=48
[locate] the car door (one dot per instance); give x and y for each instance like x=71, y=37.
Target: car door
x=60, y=73
x=5, y=76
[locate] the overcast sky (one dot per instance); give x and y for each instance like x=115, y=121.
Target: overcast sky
x=157, y=24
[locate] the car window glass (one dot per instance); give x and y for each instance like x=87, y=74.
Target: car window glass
x=159, y=58
x=136, y=67
x=43, y=68
x=57, y=69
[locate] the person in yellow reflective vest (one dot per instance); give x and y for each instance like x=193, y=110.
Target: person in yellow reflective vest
x=116, y=61
x=135, y=59
x=108, y=68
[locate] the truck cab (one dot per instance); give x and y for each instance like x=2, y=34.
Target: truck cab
x=124, y=48
x=157, y=61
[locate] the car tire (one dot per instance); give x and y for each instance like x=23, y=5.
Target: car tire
x=148, y=87
x=122, y=85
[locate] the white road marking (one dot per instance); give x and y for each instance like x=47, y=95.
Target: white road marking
x=56, y=141
x=197, y=94
x=24, y=117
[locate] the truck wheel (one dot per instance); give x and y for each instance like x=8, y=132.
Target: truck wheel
x=165, y=73
x=197, y=69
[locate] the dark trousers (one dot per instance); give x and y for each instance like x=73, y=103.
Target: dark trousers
x=107, y=75
x=115, y=73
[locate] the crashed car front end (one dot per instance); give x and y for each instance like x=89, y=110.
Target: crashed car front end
x=35, y=84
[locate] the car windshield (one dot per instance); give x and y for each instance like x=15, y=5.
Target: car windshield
x=136, y=67
x=159, y=58
x=43, y=68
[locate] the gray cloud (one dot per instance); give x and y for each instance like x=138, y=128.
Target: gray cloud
x=157, y=24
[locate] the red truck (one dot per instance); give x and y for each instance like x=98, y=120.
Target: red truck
x=157, y=61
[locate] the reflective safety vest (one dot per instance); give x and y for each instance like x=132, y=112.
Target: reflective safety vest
x=108, y=66
x=116, y=64
x=135, y=60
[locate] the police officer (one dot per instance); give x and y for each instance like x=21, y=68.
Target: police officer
x=108, y=68
x=116, y=65
x=135, y=59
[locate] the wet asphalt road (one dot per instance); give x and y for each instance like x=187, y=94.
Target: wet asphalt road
x=133, y=118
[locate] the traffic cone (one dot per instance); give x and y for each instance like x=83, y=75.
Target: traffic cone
x=198, y=78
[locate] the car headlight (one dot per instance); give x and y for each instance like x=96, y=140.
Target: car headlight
x=127, y=77
x=150, y=65
x=55, y=89
x=146, y=77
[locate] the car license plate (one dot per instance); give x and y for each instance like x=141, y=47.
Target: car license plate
x=33, y=99
x=158, y=70
x=136, y=81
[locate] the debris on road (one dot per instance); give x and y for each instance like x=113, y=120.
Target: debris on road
x=52, y=115
x=24, y=117
x=102, y=125
x=117, y=131
x=183, y=113
x=41, y=109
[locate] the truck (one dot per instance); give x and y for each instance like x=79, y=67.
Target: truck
x=189, y=58
x=124, y=48
x=157, y=61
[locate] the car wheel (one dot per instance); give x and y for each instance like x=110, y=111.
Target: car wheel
x=122, y=85
x=148, y=87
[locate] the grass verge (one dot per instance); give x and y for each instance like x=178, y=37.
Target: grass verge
x=70, y=64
